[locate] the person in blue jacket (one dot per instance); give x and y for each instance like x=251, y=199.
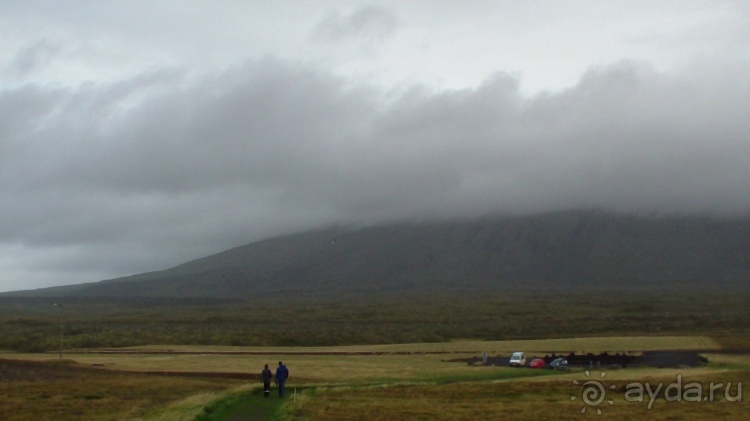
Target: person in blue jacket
x=282, y=373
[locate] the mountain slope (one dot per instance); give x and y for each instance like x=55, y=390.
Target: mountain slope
x=560, y=250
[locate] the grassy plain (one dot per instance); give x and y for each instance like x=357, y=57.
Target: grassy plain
x=396, y=382
x=592, y=344
x=33, y=325
x=366, y=357
x=395, y=362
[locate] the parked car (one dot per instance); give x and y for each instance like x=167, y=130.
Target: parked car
x=517, y=359
x=537, y=363
x=559, y=364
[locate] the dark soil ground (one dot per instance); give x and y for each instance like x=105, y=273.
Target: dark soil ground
x=17, y=370
x=661, y=359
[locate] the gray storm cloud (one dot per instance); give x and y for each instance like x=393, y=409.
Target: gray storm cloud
x=155, y=170
x=32, y=58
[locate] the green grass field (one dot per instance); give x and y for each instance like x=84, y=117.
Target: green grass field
x=400, y=383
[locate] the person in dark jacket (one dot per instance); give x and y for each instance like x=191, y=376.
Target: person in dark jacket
x=282, y=373
x=266, y=375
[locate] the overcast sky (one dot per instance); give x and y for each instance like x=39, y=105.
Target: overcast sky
x=137, y=135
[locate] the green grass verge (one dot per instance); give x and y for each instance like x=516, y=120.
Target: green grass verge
x=248, y=405
x=252, y=405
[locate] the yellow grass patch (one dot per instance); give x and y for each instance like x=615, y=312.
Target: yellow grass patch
x=364, y=368
x=734, y=361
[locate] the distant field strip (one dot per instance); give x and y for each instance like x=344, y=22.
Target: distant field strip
x=594, y=344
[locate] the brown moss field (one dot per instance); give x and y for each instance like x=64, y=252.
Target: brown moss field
x=46, y=390
x=520, y=399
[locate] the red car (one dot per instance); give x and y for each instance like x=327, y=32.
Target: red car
x=537, y=363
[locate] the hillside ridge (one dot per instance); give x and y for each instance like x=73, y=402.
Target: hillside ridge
x=564, y=250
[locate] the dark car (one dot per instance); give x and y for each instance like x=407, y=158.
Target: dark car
x=559, y=364
x=537, y=363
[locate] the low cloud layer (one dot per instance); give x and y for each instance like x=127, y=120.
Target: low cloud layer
x=116, y=178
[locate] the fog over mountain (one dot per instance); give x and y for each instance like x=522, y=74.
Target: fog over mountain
x=170, y=161
x=563, y=252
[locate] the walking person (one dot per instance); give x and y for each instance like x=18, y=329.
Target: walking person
x=282, y=373
x=266, y=375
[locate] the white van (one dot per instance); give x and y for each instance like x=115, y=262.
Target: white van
x=517, y=359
